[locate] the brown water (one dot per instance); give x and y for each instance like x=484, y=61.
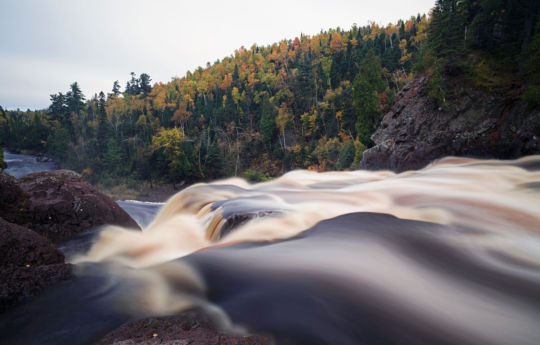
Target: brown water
x=445, y=255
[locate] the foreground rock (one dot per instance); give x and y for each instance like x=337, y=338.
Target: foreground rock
x=28, y=264
x=58, y=205
x=192, y=327
x=476, y=124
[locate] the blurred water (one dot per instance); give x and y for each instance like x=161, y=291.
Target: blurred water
x=20, y=165
x=141, y=211
x=449, y=254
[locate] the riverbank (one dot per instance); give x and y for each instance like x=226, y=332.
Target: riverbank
x=142, y=192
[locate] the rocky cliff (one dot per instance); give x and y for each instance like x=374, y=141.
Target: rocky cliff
x=475, y=124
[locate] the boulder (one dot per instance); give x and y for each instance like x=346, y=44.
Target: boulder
x=475, y=124
x=12, y=200
x=60, y=204
x=28, y=264
x=192, y=327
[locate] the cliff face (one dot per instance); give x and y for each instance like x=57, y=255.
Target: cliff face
x=475, y=124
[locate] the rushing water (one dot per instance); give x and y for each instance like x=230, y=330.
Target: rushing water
x=142, y=212
x=449, y=254
x=20, y=165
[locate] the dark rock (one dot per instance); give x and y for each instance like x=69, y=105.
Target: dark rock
x=192, y=327
x=13, y=198
x=28, y=264
x=59, y=204
x=476, y=124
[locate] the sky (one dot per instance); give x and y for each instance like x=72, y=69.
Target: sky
x=45, y=45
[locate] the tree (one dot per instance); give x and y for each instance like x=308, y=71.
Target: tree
x=114, y=157
x=365, y=98
x=116, y=88
x=3, y=164
x=215, y=163
x=179, y=156
x=283, y=120
x=144, y=83
x=103, y=126
x=132, y=86
x=58, y=108
x=267, y=123
x=75, y=98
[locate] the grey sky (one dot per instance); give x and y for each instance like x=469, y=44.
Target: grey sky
x=47, y=44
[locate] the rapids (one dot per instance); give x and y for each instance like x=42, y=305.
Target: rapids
x=449, y=254
x=20, y=165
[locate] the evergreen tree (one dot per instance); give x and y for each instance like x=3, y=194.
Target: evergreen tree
x=447, y=26
x=3, y=164
x=116, y=88
x=268, y=122
x=132, y=86
x=75, y=98
x=215, y=163
x=103, y=126
x=58, y=108
x=113, y=157
x=365, y=97
x=144, y=83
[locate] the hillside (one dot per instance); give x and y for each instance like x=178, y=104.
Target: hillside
x=310, y=102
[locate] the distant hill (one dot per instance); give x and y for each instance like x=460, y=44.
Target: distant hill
x=310, y=102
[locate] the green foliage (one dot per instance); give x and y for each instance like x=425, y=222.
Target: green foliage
x=114, y=157
x=293, y=104
x=215, y=163
x=531, y=70
x=57, y=144
x=268, y=123
x=3, y=163
x=256, y=176
x=359, y=153
x=436, y=90
x=532, y=96
x=346, y=156
x=365, y=90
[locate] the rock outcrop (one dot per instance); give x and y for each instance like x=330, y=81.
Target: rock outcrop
x=28, y=264
x=58, y=204
x=36, y=211
x=192, y=327
x=475, y=124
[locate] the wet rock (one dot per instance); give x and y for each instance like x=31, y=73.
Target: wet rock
x=192, y=327
x=13, y=198
x=28, y=264
x=476, y=124
x=59, y=204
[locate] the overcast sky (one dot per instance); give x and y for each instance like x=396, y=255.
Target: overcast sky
x=45, y=45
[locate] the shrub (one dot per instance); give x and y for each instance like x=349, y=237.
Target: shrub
x=256, y=176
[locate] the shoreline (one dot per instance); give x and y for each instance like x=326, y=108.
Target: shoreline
x=157, y=193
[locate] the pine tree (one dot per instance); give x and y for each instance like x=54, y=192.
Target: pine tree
x=103, y=126
x=116, y=88
x=3, y=164
x=365, y=100
x=144, y=83
x=75, y=99
x=268, y=123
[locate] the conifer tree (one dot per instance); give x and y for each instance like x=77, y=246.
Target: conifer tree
x=365, y=95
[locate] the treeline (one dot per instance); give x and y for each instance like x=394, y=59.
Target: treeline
x=312, y=102
x=493, y=44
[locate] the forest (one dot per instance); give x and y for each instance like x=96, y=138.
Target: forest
x=311, y=102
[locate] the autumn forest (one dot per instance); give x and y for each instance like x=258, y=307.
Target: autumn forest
x=310, y=102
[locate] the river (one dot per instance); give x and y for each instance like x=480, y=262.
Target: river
x=449, y=254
